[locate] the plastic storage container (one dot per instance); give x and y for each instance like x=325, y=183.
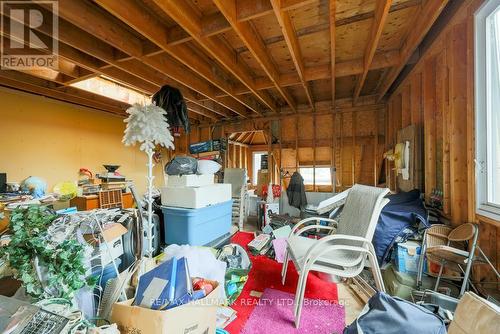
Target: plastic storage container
x=196, y=197
x=197, y=227
x=408, y=257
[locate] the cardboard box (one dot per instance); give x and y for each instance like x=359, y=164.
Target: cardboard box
x=113, y=235
x=262, y=179
x=197, y=317
x=110, y=233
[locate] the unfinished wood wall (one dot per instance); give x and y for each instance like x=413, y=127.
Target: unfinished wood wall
x=438, y=96
x=307, y=140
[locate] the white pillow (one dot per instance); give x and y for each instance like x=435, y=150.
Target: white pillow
x=208, y=167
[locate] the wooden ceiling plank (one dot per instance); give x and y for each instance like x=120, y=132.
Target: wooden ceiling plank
x=310, y=30
x=295, y=4
x=91, y=39
x=333, y=40
x=292, y=43
x=188, y=19
x=424, y=20
x=382, y=8
x=69, y=55
x=131, y=13
x=253, y=41
x=201, y=111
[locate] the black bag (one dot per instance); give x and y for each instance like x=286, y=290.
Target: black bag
x=182, y=165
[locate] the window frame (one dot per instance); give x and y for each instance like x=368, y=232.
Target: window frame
x=315, y=175
x=481, y=103
x=255, y=169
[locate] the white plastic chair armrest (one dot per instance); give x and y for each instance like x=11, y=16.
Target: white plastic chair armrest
x=303, y=221
x=312, y=227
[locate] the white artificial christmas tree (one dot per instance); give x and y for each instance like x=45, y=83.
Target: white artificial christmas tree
x=147, y=125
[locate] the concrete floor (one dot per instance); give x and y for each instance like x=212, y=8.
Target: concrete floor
x=353, y=304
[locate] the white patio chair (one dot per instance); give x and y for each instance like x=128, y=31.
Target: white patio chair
x=342, y=253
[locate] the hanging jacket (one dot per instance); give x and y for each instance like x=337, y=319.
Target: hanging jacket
x=171, y=100
x=296, y=191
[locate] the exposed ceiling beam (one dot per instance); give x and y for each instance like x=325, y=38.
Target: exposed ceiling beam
x=306, y=32
x=30, y=84
x=93, y=39
x=87, y=62
x=292, y=43
x=248, y=10
x=134, y=15
x=424, y=20
x=332, y=14
x=253, y=41
x=323, y=72
x=202, y=111
x=187, y=18
x=382, y=8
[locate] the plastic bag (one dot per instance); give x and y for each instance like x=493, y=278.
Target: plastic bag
x=208, y=167
x=201, y=262
x=182, y=165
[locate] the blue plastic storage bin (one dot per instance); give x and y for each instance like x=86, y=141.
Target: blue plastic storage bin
x=197, y=227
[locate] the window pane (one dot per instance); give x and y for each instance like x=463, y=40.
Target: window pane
x=257, y=157
x=323, y=175
x=493, y=105
x=113, y=90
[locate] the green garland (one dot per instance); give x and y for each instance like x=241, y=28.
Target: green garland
x=62, y=263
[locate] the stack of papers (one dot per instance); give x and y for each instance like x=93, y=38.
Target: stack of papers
x=259, y=243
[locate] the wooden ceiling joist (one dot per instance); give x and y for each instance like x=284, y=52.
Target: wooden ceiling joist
x=423, y=21
x=80, y=13
x=89, y=63
x=28, y=83
x=308, y=31
x=253, y=41
x=323, y=72
x=187, y=18
x=131, y=13
x=382, y=8
x=201, y=111
x=292, y=43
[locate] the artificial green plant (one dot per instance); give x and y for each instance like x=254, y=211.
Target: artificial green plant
x=32, y=255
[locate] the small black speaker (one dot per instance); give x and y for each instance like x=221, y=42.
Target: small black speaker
x=3, y=182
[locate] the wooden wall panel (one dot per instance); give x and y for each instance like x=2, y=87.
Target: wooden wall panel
x=438, y=93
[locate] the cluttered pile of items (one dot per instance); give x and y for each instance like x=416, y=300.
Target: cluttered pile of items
x=102, y=265
x=99, y=265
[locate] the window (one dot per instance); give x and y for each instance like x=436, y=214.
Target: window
x=487, y=94
x=257, y=158
x=323, y=175
x=112, y=89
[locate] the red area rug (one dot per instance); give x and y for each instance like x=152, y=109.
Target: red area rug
x=266, y=273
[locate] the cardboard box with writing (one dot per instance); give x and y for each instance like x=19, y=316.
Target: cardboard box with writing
x=197, y=317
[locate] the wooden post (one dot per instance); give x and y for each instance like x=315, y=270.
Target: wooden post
x=314, y=151
x=333, y=151
x=353, y=150
x=341, y=167
x=376, y=114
